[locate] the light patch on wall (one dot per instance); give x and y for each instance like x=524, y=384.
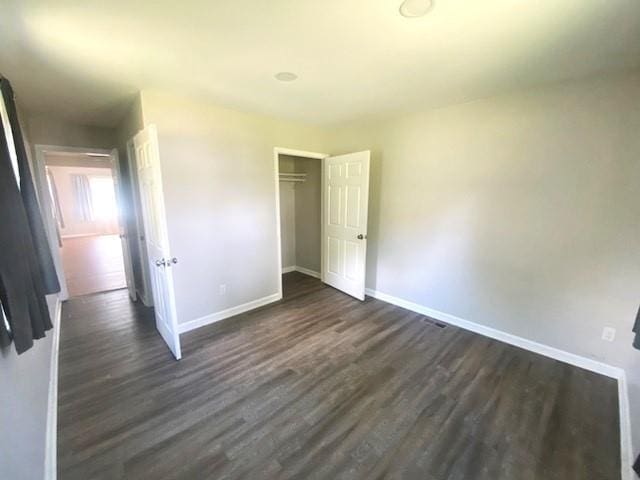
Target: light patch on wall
x=108, y=45
x=450, y=249
x=103, y=199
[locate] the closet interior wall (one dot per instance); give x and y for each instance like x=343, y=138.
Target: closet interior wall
x=300, y=214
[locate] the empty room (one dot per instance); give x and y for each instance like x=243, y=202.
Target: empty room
x=391, y=239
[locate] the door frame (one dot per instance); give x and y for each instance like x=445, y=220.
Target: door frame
x=145, y=294
x=39, y=172
x=277, y=151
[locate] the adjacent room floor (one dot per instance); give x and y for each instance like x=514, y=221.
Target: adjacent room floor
x=93, y=264
x=320, y=385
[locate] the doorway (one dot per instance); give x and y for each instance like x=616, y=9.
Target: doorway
x=300, y=200
x=326, y=220
x=79, y=187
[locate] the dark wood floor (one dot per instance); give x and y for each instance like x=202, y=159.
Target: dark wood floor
x=321, y=386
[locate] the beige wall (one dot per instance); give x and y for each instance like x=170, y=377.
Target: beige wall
x=300, y=213
x=47, y=130
x=24, y=401
x=288, y=224
x=519, y=212
x=287, y=213
x=308, y=214
x=219, y=185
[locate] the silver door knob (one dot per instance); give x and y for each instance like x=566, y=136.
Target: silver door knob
x=160, y=263
x=174, y=260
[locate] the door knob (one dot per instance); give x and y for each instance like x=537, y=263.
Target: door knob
x=174, y=260
x=361, y=237
x=160, y=263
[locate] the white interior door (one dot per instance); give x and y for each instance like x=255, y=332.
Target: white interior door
x=345, y=184
x=156, y=236
x=122, y=227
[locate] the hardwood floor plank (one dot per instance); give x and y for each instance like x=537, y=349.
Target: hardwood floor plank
x=320, y=385
x=92, y=264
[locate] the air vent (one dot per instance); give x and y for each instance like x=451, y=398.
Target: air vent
x=434, y=322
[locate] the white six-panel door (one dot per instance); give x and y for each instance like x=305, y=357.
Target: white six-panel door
x=345, y=186
x=156, y=236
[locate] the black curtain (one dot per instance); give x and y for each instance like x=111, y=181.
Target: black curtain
x=27, y=272
x=636, y=330
x=29, y=198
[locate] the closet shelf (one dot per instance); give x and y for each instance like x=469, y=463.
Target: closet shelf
x=293, y=177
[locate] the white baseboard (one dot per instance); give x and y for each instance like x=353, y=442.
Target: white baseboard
x=547, y=351
x=626, y=450
x=81, y=235
x=551, y=352
x=229, y=312
x=51, y=451
x=306, y=271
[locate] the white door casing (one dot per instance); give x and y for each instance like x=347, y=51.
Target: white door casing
x=144, y=290
x=122, y=226
x=345, y=186
x=159, y=258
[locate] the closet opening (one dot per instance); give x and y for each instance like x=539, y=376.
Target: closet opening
x=299, y=199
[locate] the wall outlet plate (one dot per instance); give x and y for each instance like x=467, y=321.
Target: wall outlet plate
x=608, y=334
x=222, y=289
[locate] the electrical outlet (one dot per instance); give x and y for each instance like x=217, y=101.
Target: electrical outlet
x=608, y=334
x=223, y=289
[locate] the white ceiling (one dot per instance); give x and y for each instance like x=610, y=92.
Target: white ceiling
x=86, y=59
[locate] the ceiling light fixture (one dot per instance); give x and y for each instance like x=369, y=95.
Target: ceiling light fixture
x=286, y=76
x=415, y=8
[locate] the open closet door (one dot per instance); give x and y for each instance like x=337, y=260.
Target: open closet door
x=159, y=259
x=345, y=186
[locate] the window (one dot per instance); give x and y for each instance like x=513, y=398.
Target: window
x=103, y=198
